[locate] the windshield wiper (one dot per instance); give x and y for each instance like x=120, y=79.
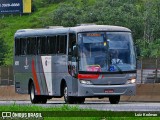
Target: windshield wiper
x=119, y=69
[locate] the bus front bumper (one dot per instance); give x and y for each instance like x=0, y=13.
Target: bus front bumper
x=106, y=90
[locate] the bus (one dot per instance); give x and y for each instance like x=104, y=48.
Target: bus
x=85, y=61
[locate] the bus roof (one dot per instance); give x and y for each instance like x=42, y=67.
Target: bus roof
x=86, y=28
x=64, y=30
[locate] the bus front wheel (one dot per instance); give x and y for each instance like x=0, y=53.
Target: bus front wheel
x=67, y=99
x=114, y=99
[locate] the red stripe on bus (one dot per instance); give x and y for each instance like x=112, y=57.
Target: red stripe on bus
x=88, y=76
x=35, y=78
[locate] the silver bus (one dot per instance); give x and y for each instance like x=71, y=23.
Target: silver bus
x=86, y=61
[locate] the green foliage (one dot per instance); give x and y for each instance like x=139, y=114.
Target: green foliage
x=141, y=16
x=63, y=18
x=101, y=12
x=149, y=48
x=52, y=1
x=3, y=49
x=16, y=107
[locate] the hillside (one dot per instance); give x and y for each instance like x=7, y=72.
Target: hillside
x=141, y=16
x=9, y=24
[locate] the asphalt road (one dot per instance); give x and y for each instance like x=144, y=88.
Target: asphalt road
x=106, y=106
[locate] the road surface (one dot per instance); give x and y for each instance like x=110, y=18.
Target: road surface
x=106, y=106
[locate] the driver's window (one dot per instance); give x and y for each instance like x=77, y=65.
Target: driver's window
x=72, y=43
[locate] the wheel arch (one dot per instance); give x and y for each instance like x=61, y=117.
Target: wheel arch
x=29, y=83
x=63, y=83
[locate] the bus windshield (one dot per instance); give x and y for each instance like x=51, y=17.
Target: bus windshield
x=106, y=52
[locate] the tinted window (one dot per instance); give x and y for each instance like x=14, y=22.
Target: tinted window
x=42, y=48
x=72, y=42
x=20, y=46
x=41, y=45
x=23, y=46
x=17, y=47
x=61, y=44
x=51, y=40
x=31, y=46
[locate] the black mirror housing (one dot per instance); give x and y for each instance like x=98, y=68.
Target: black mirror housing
x=75, y=51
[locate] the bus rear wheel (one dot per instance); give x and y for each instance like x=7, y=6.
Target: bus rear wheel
x=35, y=98
x=68, y=99
x=114, y=99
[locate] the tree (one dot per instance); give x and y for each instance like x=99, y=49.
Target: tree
x=3, y=49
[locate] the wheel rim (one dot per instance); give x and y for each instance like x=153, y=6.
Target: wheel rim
x=65, y=93
x=32, y=92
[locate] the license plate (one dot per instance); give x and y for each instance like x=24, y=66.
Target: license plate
x=109, y=91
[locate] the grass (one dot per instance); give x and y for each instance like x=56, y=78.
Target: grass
x=71, y=113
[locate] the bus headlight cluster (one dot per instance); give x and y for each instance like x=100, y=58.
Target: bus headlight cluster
x=87, y=82
x=132, y=75
x=131, y=81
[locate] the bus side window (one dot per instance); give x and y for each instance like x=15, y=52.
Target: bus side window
x=61, y=44
x=31, y=48
x=38, y=45
x=57, y=45
x=23, y=44
x=52, y=44
x=49, y=46
x=17, y=46
x=41, y=42
x=35, y=47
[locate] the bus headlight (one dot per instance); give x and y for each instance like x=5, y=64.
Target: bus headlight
x=131, y=81
x=87, y=82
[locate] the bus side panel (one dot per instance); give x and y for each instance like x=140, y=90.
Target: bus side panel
x=21, y=80
x=22, y=72
x=74, y=87
x=39, y=75
x=57, y=70
x=46, y=74
x=29, y=68
x=60, y=72
x=47, y=80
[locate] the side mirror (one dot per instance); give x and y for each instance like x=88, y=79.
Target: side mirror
x=75, y=51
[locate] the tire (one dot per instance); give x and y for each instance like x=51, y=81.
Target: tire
x=114, y=99
x=35, y=99
x=68, y=99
